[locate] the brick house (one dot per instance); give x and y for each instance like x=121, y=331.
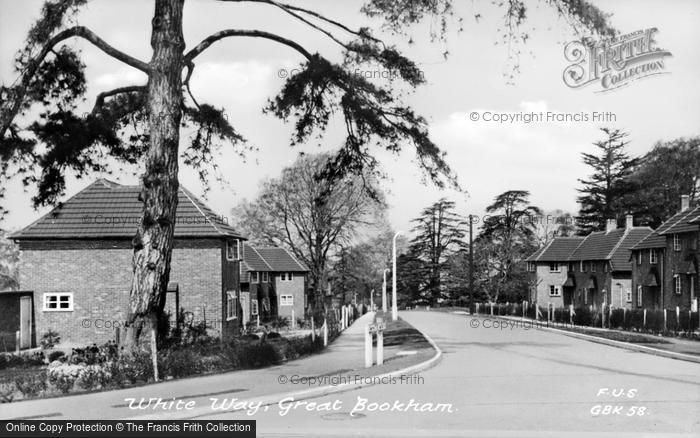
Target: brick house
x=549, y=272
x=597, y=270
x=274, y=282
x=75, y=265
x=665, y=264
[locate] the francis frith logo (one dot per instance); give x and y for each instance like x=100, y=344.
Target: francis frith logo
x=614, y=62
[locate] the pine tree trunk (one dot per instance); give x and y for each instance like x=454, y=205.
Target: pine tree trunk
x=154, y=238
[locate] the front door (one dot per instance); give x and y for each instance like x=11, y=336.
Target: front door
x=25, y=322
x=245, y=305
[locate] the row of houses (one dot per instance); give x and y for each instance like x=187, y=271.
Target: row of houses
x=76, y=264
x=630, y=267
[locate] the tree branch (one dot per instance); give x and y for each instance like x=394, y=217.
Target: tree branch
x=99, y=100
x=211, y=39
x=19, y=92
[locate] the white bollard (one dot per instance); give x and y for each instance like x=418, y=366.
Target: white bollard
x=380, y=347
x=368, y=347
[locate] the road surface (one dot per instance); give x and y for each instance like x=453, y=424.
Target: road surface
x=509, y=382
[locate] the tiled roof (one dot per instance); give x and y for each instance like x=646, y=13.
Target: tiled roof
x=680, y=222
x=536, y=254
x=559, y=248
x=614, y=246
x=107, y=210
x=620, y=256
x=598, y=245
x=281, y=260
x=253, y=260
x=653, y=240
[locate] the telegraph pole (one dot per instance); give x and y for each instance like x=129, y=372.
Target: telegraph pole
x=471, y=267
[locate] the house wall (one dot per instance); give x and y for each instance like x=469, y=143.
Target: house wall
x=603, y=283
x=651, y=297
x=296, y=288
x=98, y=273
x=545, y=279
x=674, y=259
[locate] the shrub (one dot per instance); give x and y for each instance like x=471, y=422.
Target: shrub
x=91, y=377
x=7, y=392
x=31, y=383
x=136, y=367
x=49, y=340
x=273, y=335
x=281, y=322
x=64, y=376
x=181, y=363
x=258, y=355
x=57, y=355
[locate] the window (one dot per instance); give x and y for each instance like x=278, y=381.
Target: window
x=553, y=267
x=265, y=277
x=231, y=305
x=286, y=300
x=676, y=242
x=653, y=258
x=554, y=291
x=254, y=307
x=582, y=268
x=677, y=284
x=255, y=277
x=639, y=296
x=629, y=294
x=531, y=266
x=233, y=249
x=571, y=267
x=639, y=257
x=592, y=267
x=286, y=276
x=58, y=302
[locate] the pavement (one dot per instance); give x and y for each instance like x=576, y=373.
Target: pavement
x=340, y=366
x=495, y=382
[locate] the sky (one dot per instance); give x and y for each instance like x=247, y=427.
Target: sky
x=488, y=157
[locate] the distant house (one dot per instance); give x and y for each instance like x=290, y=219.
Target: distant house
x=76, y=266
x=273, y=283
x=665, y=264
x=592, y=271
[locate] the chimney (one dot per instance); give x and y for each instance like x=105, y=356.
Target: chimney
x=610, y=225
x=685, y=202
x=629, y=221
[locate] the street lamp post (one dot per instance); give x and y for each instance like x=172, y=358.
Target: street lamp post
x=384, y=290
x=394, y=308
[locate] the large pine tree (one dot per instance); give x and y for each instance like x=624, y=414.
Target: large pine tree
x=603, y=194
x=439, y=234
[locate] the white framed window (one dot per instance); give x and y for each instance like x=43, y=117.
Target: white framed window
x=554, y=267
x=58, y=302
x=233, y=249
x=677, y=284
x=531, y=266
x=265, y=277
x=231, y=305
x=255, y=277
x=628, y=295
x=286, y=276
x=554, y=291
x=254, y=307
x=676, y=242
x=640, y=254
x=653, y=257
x=286, y=300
